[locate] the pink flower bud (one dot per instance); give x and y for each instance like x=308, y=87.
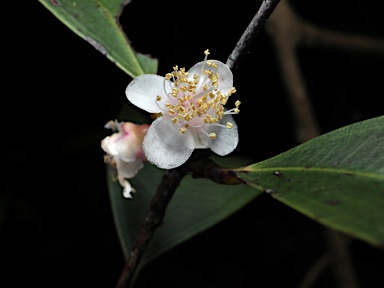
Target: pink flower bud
x=124, y=151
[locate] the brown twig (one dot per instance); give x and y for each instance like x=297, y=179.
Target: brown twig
x=244, y=44
x=201, y=167
x=171, y=180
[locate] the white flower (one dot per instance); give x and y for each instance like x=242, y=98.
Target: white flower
x=124, y=150
x=192, y=112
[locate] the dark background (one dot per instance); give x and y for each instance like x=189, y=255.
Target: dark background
x=56, y=226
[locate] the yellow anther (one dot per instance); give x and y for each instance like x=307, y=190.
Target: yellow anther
x=168, y=76
x=191, y=111
x=237, y=103
x=171, y=111
x=229, y=125
x=233, y=90
x=175, y=91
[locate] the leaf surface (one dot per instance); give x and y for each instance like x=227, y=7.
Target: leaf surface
x=97, y=22
x=336, y=179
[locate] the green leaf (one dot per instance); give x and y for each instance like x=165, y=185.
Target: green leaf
x=336, y=179
x=97, y=22
x=197, y=205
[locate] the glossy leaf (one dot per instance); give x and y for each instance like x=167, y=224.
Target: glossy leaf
x=97, y=22
x=336, y=179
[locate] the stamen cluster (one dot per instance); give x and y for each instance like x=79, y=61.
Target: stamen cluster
x=192, y=102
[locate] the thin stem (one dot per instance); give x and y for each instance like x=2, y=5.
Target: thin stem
x=203, y=167
x=200, y=167
x=171, y=180
x=250, y=34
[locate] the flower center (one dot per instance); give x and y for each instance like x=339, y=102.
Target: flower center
x=195, y=101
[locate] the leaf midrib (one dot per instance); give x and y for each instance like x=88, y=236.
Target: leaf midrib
x=315, y=169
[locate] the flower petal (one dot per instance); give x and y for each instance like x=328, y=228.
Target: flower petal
x=142, y=92
x=127, y=169
x=202, y=139
x=128, y=189
x=130, y=140
x=165, y=146
x=225, y=74
x=227, y=139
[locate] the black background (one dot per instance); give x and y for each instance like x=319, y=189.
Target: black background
x=56, y=226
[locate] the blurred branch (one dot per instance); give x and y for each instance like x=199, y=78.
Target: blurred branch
x=287, y=32
x=341, y=260
x=313, y=36
x=314, y=271
x=284, y=29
